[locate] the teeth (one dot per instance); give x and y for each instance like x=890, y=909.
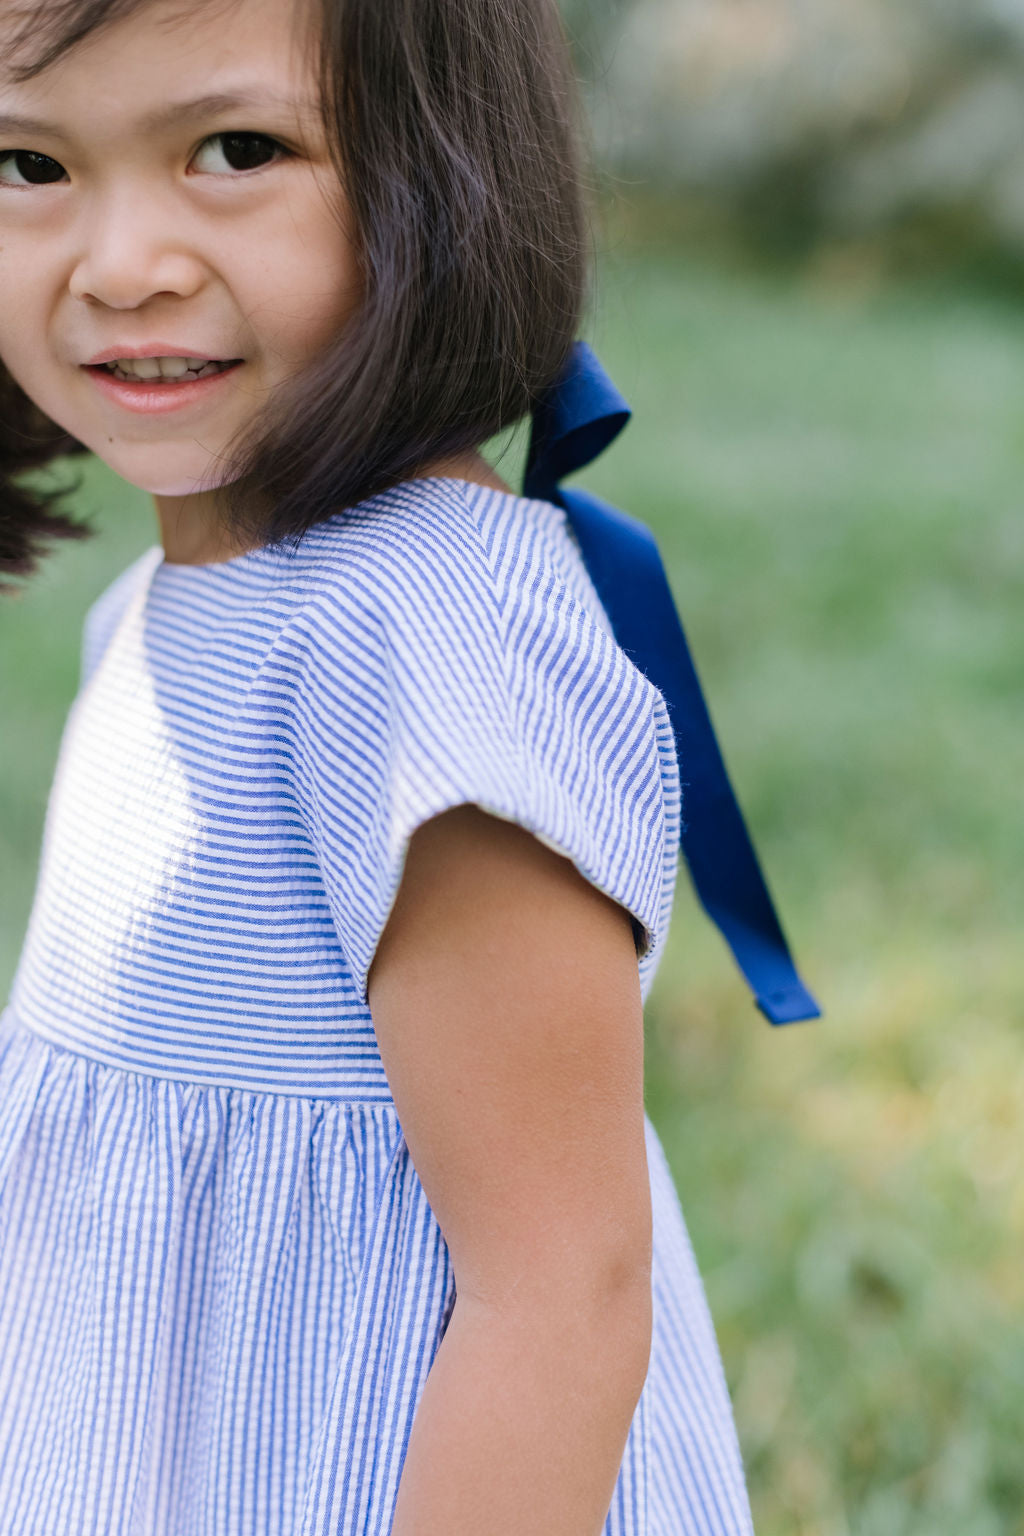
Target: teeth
x=163, y=367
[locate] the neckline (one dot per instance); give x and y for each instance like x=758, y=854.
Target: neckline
x=269, y=551
x=247, y=557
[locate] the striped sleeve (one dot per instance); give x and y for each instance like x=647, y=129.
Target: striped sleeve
x=432, y=677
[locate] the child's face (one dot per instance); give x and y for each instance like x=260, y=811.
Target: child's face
x=145, y=213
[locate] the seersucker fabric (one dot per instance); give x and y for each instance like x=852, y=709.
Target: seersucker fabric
x=221, y=1283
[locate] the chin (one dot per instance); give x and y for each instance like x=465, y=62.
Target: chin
x=162, y=477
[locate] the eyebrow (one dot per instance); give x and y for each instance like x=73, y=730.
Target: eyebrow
x=216, y=105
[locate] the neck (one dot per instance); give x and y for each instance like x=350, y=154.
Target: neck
x=192, y=530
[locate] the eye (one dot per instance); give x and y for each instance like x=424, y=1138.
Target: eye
x=24, y=168
x=225, y=152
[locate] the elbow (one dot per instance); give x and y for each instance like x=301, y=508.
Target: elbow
x=613, y=1302
x=607, y=1323
x=623, y=1294
x=622, y=1328
x=583, y=1310
x=589, y=1321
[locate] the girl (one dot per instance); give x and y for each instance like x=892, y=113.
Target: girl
x=328, y=1205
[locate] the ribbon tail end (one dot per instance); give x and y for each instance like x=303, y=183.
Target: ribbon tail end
x=790, y=1005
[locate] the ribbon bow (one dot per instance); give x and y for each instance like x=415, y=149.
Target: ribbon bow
x=574, y=422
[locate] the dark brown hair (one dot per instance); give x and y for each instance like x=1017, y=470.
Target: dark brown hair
x=453, y=124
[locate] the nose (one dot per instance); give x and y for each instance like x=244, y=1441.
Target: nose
x=131, y=252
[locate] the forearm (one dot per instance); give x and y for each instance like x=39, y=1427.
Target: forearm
x=523, y=1420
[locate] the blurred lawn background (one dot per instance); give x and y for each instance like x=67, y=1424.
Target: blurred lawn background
x=829, y=442
x=834, y=469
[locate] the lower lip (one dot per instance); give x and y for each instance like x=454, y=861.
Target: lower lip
x=155, y=397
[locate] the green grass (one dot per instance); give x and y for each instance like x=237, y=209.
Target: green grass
x=836, y=477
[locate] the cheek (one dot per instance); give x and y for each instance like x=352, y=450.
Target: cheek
x=27, y=311
x=309, y=283
x=21, y=348
x=24, y=355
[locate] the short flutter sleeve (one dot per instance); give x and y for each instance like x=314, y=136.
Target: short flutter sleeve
x=449, y=663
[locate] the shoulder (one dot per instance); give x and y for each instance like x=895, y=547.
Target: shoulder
x=446, y=649
x=105, y=613
x=441, y=561
x=449, y=625
x=468, y=610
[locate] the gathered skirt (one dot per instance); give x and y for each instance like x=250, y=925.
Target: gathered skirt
x=218, y=1309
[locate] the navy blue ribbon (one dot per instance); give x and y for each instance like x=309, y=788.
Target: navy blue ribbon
x=572, y=424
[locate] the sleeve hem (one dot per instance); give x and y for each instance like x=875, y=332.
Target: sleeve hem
x=644, y=924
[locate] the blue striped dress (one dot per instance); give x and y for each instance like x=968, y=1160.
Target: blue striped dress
x=221, y=1283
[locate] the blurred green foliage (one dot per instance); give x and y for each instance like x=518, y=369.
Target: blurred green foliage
x=834, y=469
x=897, y=123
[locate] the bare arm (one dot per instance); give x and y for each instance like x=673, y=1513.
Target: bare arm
x=506, y=1002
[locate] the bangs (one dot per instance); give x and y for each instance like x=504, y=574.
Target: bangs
x=44, y=33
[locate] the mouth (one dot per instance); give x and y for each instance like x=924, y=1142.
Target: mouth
x=162, y=370
x=161, y=382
